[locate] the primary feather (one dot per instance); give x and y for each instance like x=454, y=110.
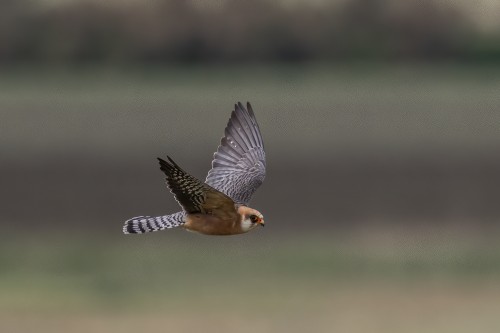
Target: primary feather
x=239, y=165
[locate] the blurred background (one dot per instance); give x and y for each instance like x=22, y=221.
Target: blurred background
x=381, y=124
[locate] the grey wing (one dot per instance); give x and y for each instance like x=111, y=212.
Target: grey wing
x=239, y=165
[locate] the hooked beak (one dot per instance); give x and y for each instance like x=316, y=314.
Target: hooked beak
x=261, y=222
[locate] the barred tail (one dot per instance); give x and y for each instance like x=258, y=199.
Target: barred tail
x=143, y=224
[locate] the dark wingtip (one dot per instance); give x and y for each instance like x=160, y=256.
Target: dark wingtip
x=250, y=110
x=163, y=164
x=162, y=161
x=239, y=106
x=172, y=161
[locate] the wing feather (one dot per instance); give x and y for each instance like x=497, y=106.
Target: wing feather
x=193, y=195
x=239, y=164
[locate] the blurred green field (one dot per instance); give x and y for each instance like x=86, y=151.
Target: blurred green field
x=378, y=280
x=373, y=146
x=301, y=108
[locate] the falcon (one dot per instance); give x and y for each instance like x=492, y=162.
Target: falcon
x=218, y=206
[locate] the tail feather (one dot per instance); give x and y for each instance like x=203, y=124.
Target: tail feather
x=143, y=224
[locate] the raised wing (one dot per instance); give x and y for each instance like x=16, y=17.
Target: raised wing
x=193, y=195
x=239, y=165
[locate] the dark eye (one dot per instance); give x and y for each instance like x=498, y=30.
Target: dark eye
x=254, y=218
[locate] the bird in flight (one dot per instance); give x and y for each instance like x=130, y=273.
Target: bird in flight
x=217, y=206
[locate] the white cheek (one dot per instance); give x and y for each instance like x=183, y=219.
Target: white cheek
x=247, y=225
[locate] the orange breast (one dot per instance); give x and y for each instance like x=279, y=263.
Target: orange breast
x=212, y=225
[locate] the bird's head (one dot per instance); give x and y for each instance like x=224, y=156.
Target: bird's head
x=250, y=218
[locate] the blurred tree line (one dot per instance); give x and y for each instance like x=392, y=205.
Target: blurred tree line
x=139, y=32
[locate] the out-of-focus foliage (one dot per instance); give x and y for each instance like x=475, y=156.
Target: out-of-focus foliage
x=181, y=31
